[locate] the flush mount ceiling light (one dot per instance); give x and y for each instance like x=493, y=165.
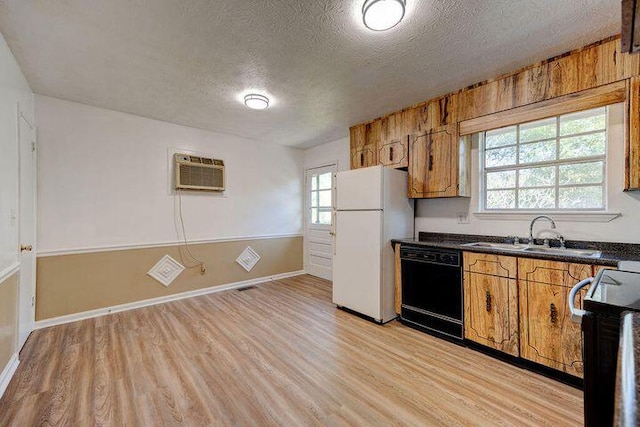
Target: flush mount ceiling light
x=380, y=15
x=255, y=101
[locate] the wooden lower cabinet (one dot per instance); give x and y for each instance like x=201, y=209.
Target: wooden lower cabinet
x=491, y=301
x=547, y=334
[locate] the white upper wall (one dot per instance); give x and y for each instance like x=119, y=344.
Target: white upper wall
x=14, y=90
x=334, y=152
x=440, y=215
x=104, y=181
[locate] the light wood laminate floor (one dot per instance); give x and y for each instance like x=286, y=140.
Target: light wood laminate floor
x=277, y=354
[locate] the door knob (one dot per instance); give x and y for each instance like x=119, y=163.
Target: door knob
x=27, y=248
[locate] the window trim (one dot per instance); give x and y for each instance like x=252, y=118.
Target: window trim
x=556, y=163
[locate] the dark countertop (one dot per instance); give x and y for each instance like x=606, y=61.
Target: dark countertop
x=627, y=379
x=612, y=253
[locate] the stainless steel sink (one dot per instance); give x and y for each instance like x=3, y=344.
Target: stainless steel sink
x=502, y=246
x=587, y=253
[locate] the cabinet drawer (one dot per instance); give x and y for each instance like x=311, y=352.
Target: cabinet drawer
x=495, y=265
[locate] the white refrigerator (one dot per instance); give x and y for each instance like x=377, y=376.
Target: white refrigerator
x=372, y=208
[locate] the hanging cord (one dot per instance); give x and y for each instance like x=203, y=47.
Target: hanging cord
x=199, y=262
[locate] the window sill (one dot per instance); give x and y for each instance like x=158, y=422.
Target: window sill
x=557, y=216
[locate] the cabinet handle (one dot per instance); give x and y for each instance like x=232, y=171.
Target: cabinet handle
x=430, y=153
x=391, y=154
x=361, y=159
x=488, y=302
x=553, y=313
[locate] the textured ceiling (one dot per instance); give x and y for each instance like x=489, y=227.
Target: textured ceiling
x=189, y=61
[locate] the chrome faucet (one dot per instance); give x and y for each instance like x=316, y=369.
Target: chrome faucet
x=533, y=221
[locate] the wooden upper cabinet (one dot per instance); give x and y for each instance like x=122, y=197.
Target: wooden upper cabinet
x=435, y=115
x=632, y=155
x=363, y=153
x=438, y=165
x=547, y=334
x=394, y=153
x=393, y=144
x=491, y=301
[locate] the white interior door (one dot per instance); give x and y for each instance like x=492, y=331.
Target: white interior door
x=320, y=197
x=27, y=227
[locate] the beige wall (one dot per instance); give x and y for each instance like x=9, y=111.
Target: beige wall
x=8, y=319
x=68, y=284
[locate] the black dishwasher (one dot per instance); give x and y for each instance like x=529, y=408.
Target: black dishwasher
x=432, y=290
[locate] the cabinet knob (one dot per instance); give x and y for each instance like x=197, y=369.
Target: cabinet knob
x=26, y=248
x=390, y=154
x=488, y=302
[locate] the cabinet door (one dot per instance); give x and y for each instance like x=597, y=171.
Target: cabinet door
x=357, y=141
x=433, y=168
x=547, y=334
x=364, y=157
x=395, y=153
x=491, y=301
x=632, y=160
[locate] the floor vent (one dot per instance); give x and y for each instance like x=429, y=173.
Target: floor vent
x=246, y=288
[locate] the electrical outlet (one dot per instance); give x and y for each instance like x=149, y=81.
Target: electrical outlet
x=463, y=217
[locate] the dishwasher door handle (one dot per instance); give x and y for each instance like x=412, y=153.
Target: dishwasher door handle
x=577, y=313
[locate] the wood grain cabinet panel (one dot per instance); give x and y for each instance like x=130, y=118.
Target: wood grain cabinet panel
x=494, y=265
x=547, y=334
x=632, y=155
x=364, y=157
x=438, y=165
x=491, y=301
x=394, y=153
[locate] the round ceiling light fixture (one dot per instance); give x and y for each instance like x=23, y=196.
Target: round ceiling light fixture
x=256, y=101
x=381, y=15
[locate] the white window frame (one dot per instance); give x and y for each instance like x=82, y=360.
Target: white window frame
x=316, y=173
x=482, y=193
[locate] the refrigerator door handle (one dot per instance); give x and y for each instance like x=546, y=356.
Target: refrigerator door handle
x=334, y=230
x=577, y=313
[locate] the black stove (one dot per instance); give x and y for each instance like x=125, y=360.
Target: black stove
x=612, y=293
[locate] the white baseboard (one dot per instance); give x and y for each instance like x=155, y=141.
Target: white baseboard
x=7, y=373
x=40, y=324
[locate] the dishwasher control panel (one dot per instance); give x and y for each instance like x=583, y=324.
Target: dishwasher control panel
x=432, y=255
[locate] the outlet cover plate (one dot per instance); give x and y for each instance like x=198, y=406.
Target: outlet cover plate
x=166, y=270
x=248, y=258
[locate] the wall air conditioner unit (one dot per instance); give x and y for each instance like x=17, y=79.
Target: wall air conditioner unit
x=198, y=173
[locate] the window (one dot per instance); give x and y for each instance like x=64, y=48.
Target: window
x=320, y=204
x=553, y=164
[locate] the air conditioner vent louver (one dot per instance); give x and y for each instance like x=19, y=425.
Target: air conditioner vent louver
x=199, y=173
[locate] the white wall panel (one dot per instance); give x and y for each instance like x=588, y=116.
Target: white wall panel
x=103, y=181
